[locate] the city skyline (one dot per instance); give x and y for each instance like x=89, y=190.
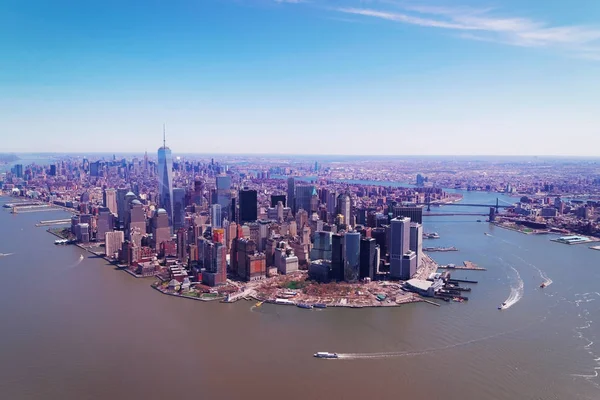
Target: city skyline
x=347, y=77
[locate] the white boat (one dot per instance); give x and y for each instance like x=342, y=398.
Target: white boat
x=81, y=257
x=325, y=354
x=501, y=306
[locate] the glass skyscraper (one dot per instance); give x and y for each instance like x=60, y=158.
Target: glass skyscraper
x=165, y=180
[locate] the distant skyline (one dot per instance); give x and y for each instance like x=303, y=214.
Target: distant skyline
x=321, y=77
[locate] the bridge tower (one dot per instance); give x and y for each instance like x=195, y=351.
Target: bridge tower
x=496, y=205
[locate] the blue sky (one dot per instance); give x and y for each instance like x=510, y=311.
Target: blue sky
x=308, y=77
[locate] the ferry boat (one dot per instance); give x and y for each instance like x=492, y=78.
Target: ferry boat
x=325, y=354
x=307, y=306
x=320, y=305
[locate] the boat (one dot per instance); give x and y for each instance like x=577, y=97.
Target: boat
x=486, y=234
x=478, y=220
x=325, y=354
x=501, y=306
x=543, y=285
x=307, y=306
x=81, y=257
x=260, y=303
x=320, y=305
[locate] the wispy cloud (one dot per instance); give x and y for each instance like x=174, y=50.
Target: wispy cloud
x=481, y=24
x=486, y=25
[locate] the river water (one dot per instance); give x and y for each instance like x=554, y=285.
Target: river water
x=81, y=330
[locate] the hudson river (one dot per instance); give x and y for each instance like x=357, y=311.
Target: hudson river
x=81, y=330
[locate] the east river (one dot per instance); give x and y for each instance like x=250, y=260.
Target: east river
x=74, y=329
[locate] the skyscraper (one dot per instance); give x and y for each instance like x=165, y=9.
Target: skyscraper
x=344, y=206
x=223, y=196
x=351, y=256
x=248, y=206
x=399, y=244
x=416, y=241
x=415, y=213
x=215, y=216
x=303, y=196
x=165, y=179
x=337, y=258
x=291, y=194
x=276, y=198
x=109, y=200
x=178, y=208
x=368, y=258
x=160, y=228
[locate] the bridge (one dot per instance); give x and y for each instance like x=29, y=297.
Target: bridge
x=497, y=206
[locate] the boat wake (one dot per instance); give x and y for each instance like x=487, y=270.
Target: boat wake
x=516, y=291
x=76, y=263
x=366, y=356
x=546, y=280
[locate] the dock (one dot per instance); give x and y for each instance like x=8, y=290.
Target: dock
x=467, y=265
x=439, y=249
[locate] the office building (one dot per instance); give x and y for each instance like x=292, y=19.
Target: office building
x=137, y=218
x=344, y=208
x=291, y=193
x=416, y=241
x=337, y=258
x=351, y=251
x=182, y=245
x=121, y=205
x=409, y=265
x=109, y=200
x=303, y=196
x=113, y=241
x=369, y=258
x=276, y=198
x=18, y=170
x=215, y=263
x=215, y=216
x=415, y=213
x=248, y=201
x=399, y=244
x=178, y=208
x=161, y=231
x=104, y=224
x=223, y=197
x=165, y=180
x=322, y=246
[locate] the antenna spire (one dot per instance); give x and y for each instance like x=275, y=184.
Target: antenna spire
x=164, y=136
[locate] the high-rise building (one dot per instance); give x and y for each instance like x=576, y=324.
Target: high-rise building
x=109, y=200
x=276, y=198
x=165, y=180
x=222, y=197
x=369, y=259
x=104, y=223
x=291, y=194
x=303, y=196
x=121, y=205
x=344, y=207
x=113, y=241
x=409, y=265
x=321, y=249
x=18, y=170
x=337, y=258
x=415, y=213
x=215, y=263
x=399, y=244
x=416, y=241
x=215, y=216
x=137, y=218
x=178, y=208
x=248, y=201
x=53, y=170
x=182, y=245
x=161, y=231
x=351, y=256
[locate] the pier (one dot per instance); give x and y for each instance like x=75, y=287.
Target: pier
x=439, y=249
x=467, y=265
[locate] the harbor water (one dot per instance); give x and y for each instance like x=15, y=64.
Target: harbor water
x=79, y=329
